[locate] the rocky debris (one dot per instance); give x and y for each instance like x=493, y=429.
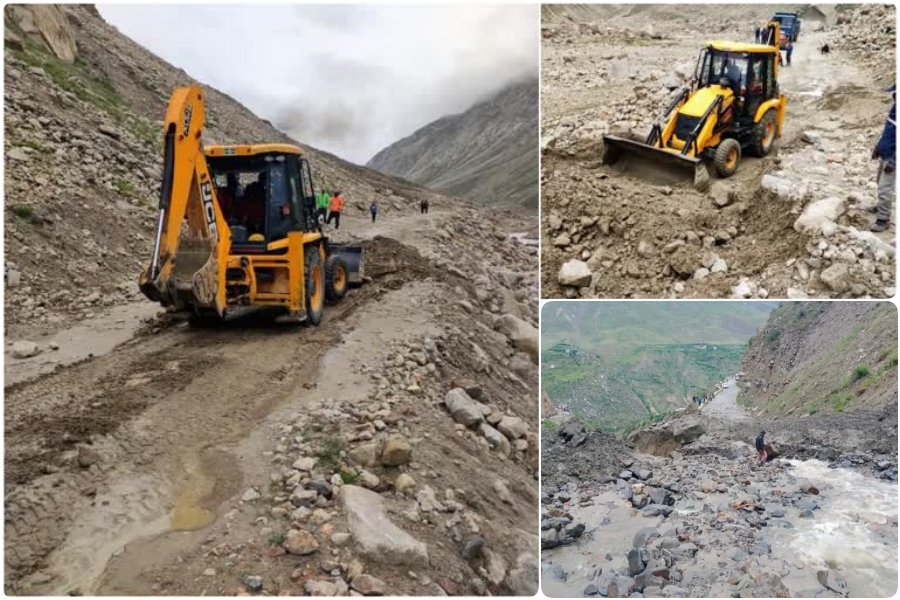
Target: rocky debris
x=300, y=542
x=25, y=349
x=608, y=233
x=375, y=535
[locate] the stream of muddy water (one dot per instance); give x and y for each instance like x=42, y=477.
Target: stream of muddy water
x=853, y=532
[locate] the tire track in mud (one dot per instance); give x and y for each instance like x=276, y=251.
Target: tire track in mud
x=96, y=452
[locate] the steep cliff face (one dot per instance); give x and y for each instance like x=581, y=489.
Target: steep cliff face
x=488, y=154
x=823, y=357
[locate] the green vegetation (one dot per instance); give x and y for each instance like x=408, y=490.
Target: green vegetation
x=548, y=424
x=828, y=383
x=277, y=538
x=35, y=146
x=88, y=84
x=348, y=476
x=22, y=211
x=639, y=386
x=329, y=453
x=124, y=187
x=773, y=335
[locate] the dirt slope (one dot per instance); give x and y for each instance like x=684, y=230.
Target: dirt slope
x=628, y=236
x=487, y=154
x=823, y=357
x=159, y=459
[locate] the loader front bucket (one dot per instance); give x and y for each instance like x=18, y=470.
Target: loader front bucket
x=353, y=258
x=654, y=164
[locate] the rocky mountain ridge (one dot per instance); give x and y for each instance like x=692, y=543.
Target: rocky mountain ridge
x=488, y=153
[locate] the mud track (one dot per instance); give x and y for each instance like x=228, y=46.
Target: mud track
x=96, y=452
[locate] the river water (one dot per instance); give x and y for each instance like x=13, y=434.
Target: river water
x=851, y=532
x=845, y=534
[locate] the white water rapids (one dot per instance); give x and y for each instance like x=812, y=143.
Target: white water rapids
x=842, y=534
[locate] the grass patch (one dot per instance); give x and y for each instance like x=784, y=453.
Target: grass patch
x=548, y=424
x=329, y=453
x=860, y=372
x=841, y=402
x=22, y=211
x=349, y=477
x=277, y=538
x=812, y=410
x=124, y=187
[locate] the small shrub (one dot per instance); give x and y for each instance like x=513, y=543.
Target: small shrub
x=277, y=538
x=548, y=424
x=22, y=211
x=812, y=410
x=860, y=372
x=841, y=402
x=774, y=335
x=329, y=453
x=125, y=188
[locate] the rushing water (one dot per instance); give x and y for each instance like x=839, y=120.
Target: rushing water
x=845, y=533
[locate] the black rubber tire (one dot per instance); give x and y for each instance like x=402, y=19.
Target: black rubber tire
x=758, y=138
x=723, y=153
x=204, y=320
x=335, y=271
x=312, y=263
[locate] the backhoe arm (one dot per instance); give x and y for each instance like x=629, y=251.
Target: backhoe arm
x=192, y=239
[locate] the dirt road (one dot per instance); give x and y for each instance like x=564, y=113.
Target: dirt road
x=744, y=238
x=123, y=467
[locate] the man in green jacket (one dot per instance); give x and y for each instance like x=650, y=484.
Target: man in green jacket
x=322, y=205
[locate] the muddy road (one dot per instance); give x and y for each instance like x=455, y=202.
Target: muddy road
x=140, y=440
x=623, y=235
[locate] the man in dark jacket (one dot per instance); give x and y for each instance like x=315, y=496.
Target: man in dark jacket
x=761, y=447
x=886, y=153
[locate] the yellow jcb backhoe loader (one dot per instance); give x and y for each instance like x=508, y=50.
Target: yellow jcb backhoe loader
x=732, y=106
x=238, y=229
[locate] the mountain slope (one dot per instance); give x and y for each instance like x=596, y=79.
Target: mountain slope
x=823, y=357
x=617, y=364
x=488, y=153
x=83, y=112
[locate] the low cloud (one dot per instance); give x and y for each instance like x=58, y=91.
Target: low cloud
x=349, y=79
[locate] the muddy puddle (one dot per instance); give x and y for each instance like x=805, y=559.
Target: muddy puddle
x=610, y=530
x=93, y=337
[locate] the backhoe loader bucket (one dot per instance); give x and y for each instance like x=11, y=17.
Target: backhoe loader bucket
x=654, y=164
x=353, y=258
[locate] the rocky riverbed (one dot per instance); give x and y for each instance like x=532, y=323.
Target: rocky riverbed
x=685, y=510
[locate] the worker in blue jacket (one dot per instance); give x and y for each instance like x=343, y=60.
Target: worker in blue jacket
x=886, y=153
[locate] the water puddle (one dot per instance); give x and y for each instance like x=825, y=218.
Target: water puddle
x=611, y=527
x=849, y=531
x=189, y=514
x=92, y=337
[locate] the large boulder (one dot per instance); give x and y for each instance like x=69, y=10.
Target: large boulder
x=376, y=537
x=523, y=335
x=685, y=433
x=820, y=216
x=571, y=430
x=462, y=408
x=575, y=273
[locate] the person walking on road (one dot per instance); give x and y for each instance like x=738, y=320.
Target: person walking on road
x=373, y=209
x=788, y=50
x=423, y=206
x=886, y=153
x=761, y=447
x=335, y=206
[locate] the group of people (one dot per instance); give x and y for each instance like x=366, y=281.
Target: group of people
x=760, y=38
x=329, y=207
x=701, y=400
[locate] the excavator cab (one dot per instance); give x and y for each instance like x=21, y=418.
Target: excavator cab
x=237, y=228
x=262, y=197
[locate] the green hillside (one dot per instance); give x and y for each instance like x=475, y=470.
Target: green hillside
x=615, y=364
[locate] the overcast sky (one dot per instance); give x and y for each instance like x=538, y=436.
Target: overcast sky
x=349, y=79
